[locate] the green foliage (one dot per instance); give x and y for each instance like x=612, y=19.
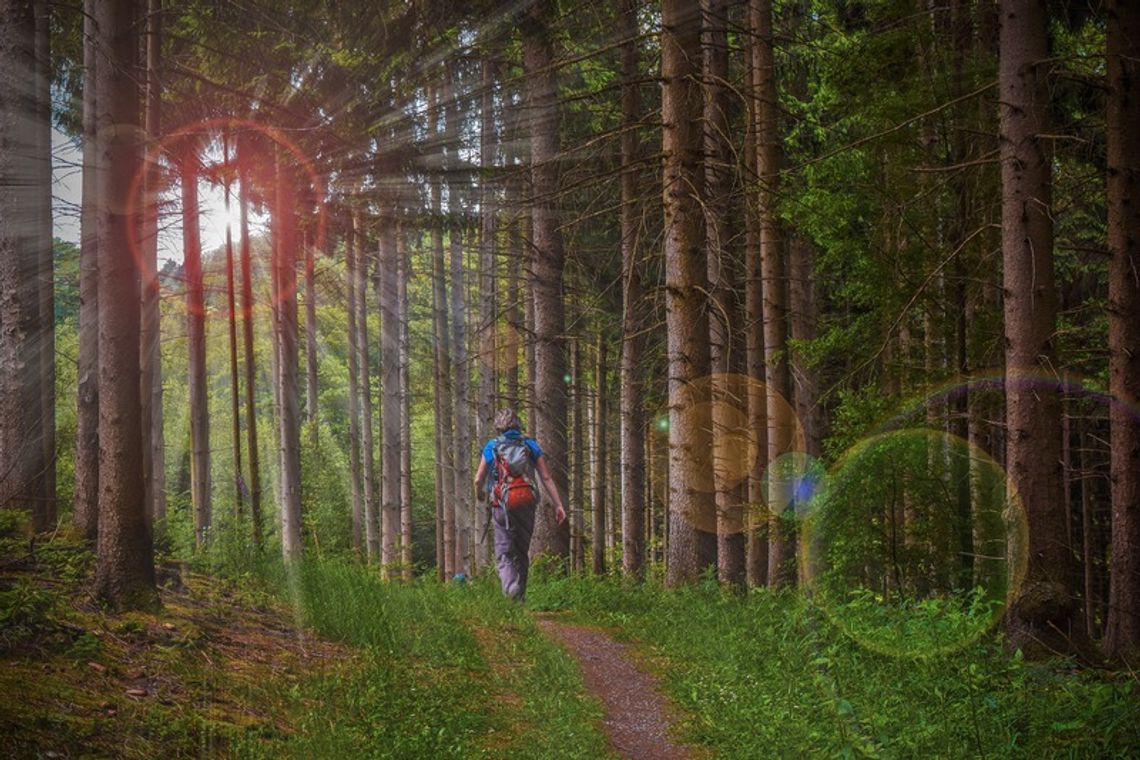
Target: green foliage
x=25, y=614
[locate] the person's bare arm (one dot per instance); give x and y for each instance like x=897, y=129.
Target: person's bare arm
x=551, y=489
x=479, y=475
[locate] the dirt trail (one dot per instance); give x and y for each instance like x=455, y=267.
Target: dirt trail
x=636, y=715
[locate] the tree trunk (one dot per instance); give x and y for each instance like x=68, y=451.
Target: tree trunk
x=576, y=459
x=235, y=390
x=756, y=525
x=515, y=324
x=196, y=348
x=718, y=181
x=1122, y=634
x=285, y=273
x=124, y=569
x=405, y=391
x=391, y=402
x=247, y=341
x=44, y=510
x=546, y=276
x=364, y=386
x=462, y=374
x=598, y=481
x=353, y=391
x=20, y=423
x=86, y=505
x=1043, y=613
x=444, y=478
x=633, y=463
x=154, y=449
x=781, y=532
x=692, y=538
x=311, y=341
x=489, y=340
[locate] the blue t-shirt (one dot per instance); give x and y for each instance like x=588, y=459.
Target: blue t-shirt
x=489, y=448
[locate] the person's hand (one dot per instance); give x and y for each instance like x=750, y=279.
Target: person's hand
x=559, y=514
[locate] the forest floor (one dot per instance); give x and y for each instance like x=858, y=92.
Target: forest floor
x=326, y=660
x=210, y=670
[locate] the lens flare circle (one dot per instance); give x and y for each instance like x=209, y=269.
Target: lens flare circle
x=791, y=484
x=915, y=544
x=136, y=201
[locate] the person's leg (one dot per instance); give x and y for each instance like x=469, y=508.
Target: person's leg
x=504, y=552
x=522, y=525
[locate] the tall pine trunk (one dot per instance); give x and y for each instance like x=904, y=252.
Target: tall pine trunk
x=633, y=464
x=364, y=386
x=247, y=344
x=44, y=510
x=231, y=318
x=154, y=449
x=549, y=399
x=86, y=504
x=285, y=332
x=1122, y=633
x=405, y=409
x=598, y=434
x=196, y=347
x=391, y=403
x=756, y=517
x=357, y=487
x=1042, y=615
x=20, y=420
x=124, y=568
x=692, y=540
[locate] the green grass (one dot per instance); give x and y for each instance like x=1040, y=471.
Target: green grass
x=446, y=671
x=767, y=674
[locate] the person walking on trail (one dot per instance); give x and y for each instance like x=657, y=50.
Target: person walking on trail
x=511, y=461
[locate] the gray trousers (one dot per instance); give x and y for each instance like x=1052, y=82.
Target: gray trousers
x=512, y=548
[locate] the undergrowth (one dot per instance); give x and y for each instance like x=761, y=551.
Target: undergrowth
x=770, y=675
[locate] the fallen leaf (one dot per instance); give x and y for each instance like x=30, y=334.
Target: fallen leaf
x=136, y=692
x=97, y=667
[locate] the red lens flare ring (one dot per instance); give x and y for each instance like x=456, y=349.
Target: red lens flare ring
x=219, y=125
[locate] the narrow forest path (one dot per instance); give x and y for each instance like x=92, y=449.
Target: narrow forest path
x=636, y=718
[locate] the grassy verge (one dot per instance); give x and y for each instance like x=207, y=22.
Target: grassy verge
x=452, y=671
x=767, y=674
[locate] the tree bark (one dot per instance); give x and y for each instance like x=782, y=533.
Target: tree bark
x=1122, y=633
x=756, y=517
x=391, y=400
x=311, y=400
x=633, y=462
x=247, y=342
x=781, y=535
x=196, y=348
x=547, y=264
x=86, y=504
x=576, y=459
x=235, y=389
x=124, y=569
x=364, y=386
x=405, y=505
x=285, y=273
x=154, y=449
x=489, y=338
x=462, y=440
x=598, y=498
x=353, y=391
x=692, y=540
x=1042, y=615
x=44, y=510
x=20, y=418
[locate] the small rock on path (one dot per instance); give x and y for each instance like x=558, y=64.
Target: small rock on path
x=636, y=715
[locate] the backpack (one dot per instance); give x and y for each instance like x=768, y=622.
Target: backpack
x=513, y=473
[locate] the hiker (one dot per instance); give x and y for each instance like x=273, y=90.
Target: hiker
x=512, y=460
